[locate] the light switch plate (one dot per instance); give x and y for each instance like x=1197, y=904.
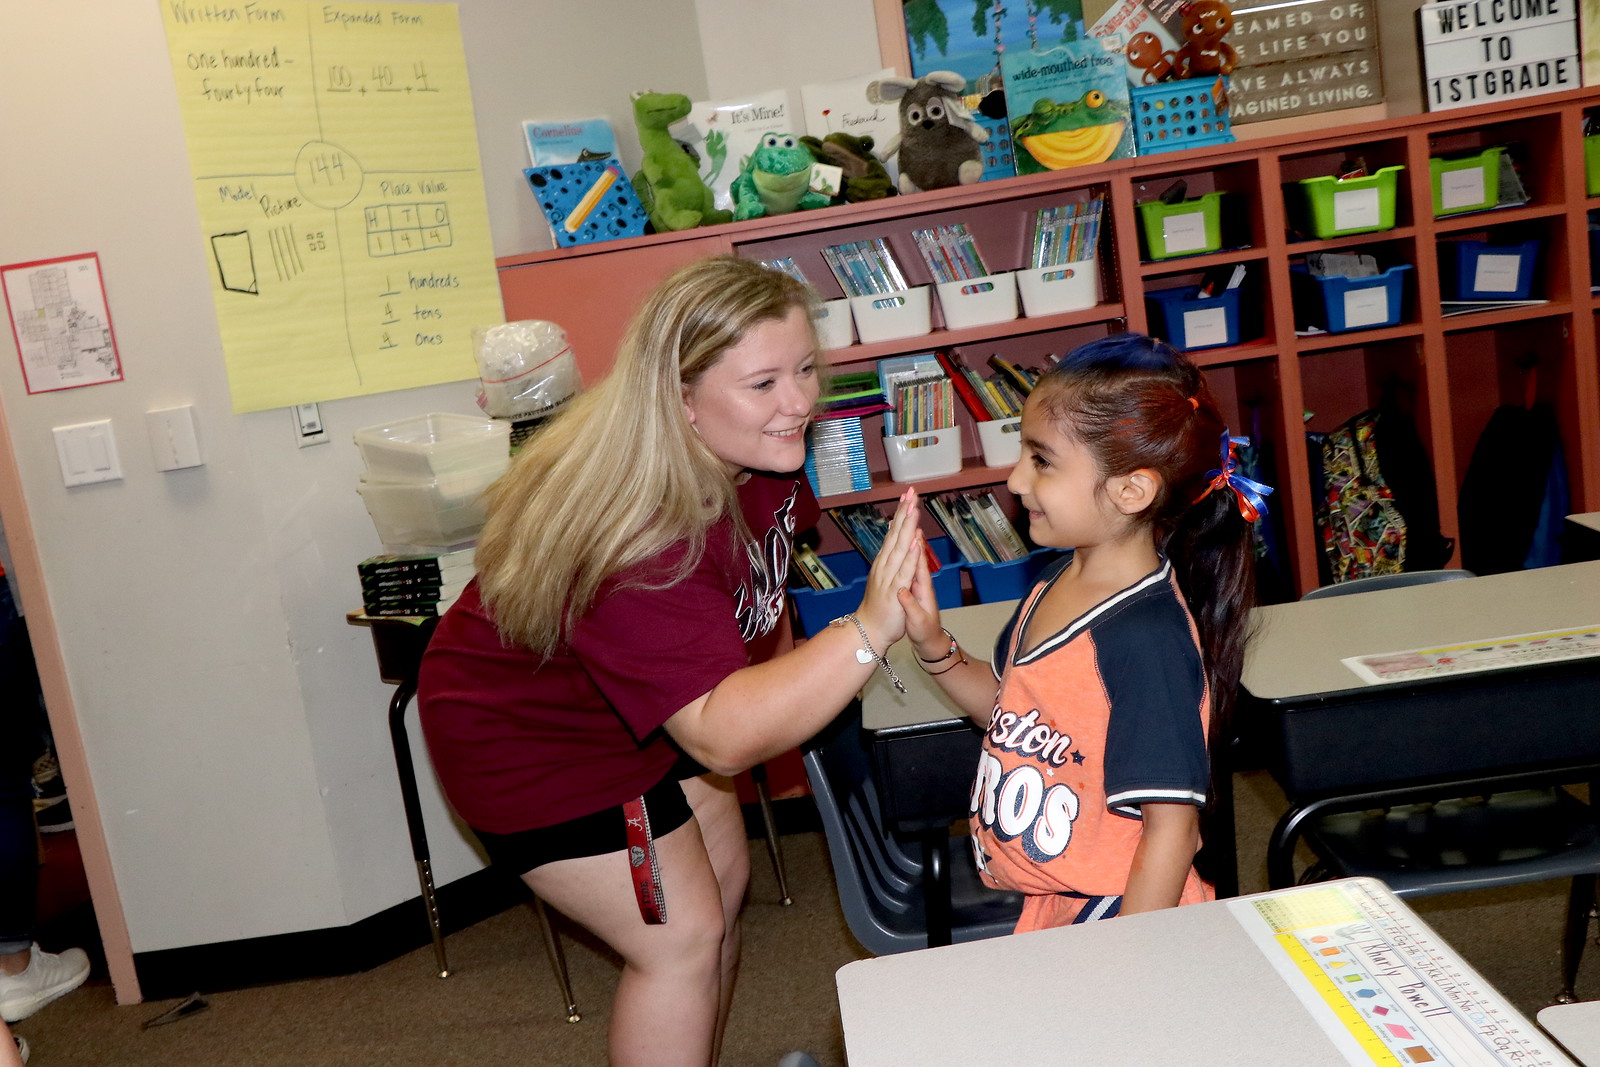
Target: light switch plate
x=173, y=441
x=88, y=453
x=308, y=427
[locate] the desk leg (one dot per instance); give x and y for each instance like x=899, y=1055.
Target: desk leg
x=936, y=885
x=413, y=807
x=769, y=823
x=558, y=959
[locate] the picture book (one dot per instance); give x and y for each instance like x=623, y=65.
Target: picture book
x=1153, y=32
x=721, y=134
x=1069, y=105
x=587, y=202
x=577, y=141
x=842, y=107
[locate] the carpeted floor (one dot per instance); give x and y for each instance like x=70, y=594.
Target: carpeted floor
x=501, y=1005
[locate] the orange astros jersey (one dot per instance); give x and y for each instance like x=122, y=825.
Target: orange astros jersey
x=1089, y=724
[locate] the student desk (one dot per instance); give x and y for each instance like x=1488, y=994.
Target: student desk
x=1577, y=1027
x=1580, y=537
x=399, y=643
x=1319, y=976
x=1328, y=734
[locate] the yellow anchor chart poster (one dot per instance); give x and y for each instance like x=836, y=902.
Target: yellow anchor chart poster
x=336, y=170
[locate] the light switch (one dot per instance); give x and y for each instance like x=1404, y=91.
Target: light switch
x=88, y=453
x=172, y=438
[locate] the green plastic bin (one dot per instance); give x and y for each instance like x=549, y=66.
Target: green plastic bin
x=1445, y=175
x=1365, y=204
x=1591, y=164
x=1187, y=228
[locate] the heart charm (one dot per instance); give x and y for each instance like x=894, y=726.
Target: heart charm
x=863, y=656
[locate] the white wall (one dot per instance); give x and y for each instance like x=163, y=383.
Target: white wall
x=750, y=47
x=233, y=722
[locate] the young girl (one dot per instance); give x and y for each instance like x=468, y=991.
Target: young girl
x=1123, y=656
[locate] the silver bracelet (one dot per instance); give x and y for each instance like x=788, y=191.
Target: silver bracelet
x=867, y=654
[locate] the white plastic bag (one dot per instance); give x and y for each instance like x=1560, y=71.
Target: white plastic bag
x=525, y=368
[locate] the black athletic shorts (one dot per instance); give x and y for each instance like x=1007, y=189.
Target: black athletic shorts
x=587, y=835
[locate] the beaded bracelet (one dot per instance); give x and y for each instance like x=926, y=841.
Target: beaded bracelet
x=954, y=650
x=868, y=653
x=949, y=652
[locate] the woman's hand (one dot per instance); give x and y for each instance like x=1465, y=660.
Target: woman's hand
x=894, y=570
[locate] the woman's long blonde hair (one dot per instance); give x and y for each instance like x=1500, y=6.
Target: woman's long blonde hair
x=621, y=475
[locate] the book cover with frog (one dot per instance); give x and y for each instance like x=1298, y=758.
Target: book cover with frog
x=1068, y=105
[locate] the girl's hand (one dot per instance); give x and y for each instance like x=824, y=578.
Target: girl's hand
x=893, y=571
x=922, y=613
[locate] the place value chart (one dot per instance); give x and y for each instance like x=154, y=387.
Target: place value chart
x=1382, y=985
x=335, y=165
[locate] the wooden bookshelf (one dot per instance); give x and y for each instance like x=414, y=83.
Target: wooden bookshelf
x=1451, y=371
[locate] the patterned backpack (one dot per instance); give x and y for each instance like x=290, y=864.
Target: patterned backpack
x=1362, y=531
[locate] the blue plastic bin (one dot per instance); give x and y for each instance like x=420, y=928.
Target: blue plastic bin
x=1336, y=303
x=1459, y=263
x=994, y=582
x=1189, y=321
x=818, y=607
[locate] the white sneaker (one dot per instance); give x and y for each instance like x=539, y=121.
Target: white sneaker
x=22, y=1048
x=47, y=977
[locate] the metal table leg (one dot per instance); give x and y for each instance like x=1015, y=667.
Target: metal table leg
x=399, y=738
x=758, y=775
x=558, y=959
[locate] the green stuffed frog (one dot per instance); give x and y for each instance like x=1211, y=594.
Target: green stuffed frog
x=775, y=179
x=1056, y=136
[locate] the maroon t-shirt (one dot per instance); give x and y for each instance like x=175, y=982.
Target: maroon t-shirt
x=518, y=744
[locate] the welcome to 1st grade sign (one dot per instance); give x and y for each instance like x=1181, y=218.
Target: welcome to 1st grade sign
x=1480, y=51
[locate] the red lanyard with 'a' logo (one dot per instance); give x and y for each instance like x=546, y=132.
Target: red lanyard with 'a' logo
x=643, y=867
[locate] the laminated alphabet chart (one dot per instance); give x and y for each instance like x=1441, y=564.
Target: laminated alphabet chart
x=1497, y=653
x=1382, y=985
x=335, y=165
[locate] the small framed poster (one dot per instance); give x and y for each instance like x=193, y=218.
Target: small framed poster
x=61, y=323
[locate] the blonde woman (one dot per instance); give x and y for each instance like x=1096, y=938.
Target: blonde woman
x=633, y=551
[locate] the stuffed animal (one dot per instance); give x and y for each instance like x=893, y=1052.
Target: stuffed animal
x=775, y=179
x=1146, y=55
x=668, y=185
x=865, y=176
x=1204, y=52
x=937, y=145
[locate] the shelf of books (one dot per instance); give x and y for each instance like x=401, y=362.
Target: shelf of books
x=1311, y=276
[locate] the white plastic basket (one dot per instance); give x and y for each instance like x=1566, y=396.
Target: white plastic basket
x=835, y=326
x=1002, y=441
x=1053, y=290
x=891, y=316
x=979, y=301
x=915, y=456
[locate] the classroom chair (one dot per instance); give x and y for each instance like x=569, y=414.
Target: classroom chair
x=879, y=879
x=1387, y=581
x=1476, y=832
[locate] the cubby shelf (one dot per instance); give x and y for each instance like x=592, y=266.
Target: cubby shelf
x=1450, y=372
x=858, y=353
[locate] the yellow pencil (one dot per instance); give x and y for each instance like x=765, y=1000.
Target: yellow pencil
x=590, y=199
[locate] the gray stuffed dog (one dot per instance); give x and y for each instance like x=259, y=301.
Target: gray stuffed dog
x=938, y=140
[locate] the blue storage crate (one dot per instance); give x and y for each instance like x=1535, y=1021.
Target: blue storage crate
x=818, y=607
x=994, y=582
x=1173, y=115
x=1336, y=303
x=1507, y=276
x=1189, y=321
